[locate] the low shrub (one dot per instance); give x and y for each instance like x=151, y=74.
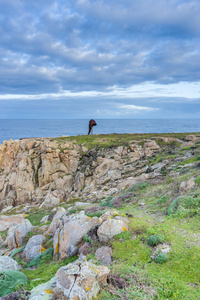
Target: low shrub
x=10, y=281
x=87, y=239
x=161, y=258
x=197, y=179
x=155, y=239
x=184, y=206
x=107, y=201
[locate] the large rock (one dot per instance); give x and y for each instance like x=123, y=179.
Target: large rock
x=103, y=254
x=74, y=229
x=7, y=222
x=80, y=281
x=34, y=247
x=7, y=263
x=187, y=185
x=79, y=181
x=110, y=228
x=43, y=291
x=55, y=222
x=109, y=169
x=16, y=234
x=50, y=201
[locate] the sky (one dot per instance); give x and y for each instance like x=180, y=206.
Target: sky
x=80, y=59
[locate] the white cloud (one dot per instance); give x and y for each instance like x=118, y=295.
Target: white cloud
x=133, y=107
x=185, y=90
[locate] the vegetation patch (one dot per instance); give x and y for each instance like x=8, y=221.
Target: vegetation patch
x=42, y=258
x=161, y=258
x=36, y=216
x=184, y=206
x=125, y=235
x=43, y=273
x=155, y=239
x=10, y=281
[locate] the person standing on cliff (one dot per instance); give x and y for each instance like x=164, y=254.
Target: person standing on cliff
x=91, y=124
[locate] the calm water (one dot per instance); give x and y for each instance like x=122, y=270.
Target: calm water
x=15, y=129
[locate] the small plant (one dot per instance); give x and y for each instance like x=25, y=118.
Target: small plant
x=87, y=239
x=107, y=202
x=163, y=199
x=95, y=214
x=125, y=235
x=197, y=179
x=72, y=211
x=155, y=239
x=138, y=187
x=161, y=258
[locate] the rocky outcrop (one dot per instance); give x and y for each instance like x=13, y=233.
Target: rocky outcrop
x=78, y=280
x=32, y=167
x=46, y=170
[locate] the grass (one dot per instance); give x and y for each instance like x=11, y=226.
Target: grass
x=114, y=140
x=44, y=273
x=36, y=216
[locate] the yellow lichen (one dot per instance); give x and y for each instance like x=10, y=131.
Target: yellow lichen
x=124, y=229
x=43, y=249
x=88, y=288
x=57, y=245
x=48, y=291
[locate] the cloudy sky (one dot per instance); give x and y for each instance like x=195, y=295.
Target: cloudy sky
x=98, y=58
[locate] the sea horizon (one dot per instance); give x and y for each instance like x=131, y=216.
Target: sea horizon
x=30, y=128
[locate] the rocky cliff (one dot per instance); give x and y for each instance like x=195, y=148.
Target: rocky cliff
x=31, y=169
x=100, y=217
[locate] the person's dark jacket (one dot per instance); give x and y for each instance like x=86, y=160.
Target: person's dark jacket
x=91, y=124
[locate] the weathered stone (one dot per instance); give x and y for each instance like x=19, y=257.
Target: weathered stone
x=50, y=201
x=16, y=234
x=7, y=263
x=79, y=281
x=7, y=222
x=79, y=182
x=187, y=185
x=110, y=228
x=104, y=255
x=71, y=235
x=102, y=277
x=55, y=222
x=43, y=291
x=34, y=247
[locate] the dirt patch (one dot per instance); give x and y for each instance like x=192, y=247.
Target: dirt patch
x=95, y=209
x=18, y=295
x=123, y=199
x=117, y=281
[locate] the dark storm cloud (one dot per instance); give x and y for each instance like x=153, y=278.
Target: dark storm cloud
x=88, y=45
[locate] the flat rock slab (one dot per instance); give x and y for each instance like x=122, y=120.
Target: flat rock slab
x=7, y=222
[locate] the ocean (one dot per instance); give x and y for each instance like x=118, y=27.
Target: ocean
x=16, y=129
